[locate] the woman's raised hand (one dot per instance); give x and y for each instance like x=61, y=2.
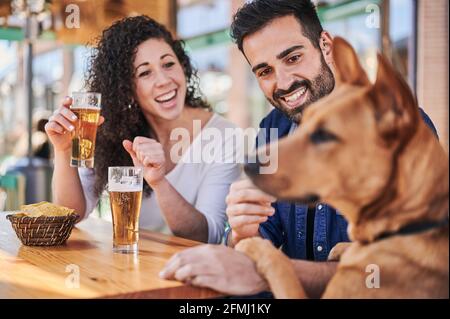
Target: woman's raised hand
x=147, y=153
x=61, y=124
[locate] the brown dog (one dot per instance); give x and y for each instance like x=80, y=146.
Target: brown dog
x=364, y=150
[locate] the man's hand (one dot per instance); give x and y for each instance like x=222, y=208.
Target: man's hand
x=147, y=153
x=247, y=207
x=217, y=267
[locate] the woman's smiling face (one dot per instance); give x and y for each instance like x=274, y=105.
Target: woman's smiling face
x=159, y=79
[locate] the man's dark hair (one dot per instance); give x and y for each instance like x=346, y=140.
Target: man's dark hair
x=255, y=15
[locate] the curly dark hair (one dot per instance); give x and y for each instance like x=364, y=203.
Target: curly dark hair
x=110, y=72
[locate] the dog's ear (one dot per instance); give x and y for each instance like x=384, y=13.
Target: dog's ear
x=396, y=108
x=348, y=68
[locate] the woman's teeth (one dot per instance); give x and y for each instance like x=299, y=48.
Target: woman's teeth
x=166, y=97
x=296, y=96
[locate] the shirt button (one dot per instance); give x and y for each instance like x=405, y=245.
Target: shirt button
x=319, y=248
x=320, y=207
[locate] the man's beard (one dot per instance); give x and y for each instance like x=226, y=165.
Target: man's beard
x=320, y=86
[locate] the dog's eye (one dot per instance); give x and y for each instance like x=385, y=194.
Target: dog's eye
x=322, y=136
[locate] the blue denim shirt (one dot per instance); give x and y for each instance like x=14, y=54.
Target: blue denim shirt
x=287, y=227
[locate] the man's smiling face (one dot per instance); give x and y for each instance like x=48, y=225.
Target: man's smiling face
x=291, y=72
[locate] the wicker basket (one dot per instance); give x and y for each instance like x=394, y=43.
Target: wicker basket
x=43, y=230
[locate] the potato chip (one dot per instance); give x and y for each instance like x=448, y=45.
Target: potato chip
x=45, y=209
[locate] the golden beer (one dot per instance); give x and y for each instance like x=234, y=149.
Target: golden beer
x=83, y=137
x=125, y=208
x=125, y=185
x=86, y=106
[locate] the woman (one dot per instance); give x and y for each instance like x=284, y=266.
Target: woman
x=148, y=89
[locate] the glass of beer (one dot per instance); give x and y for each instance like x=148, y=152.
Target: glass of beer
x=86, y=106
x=125, y=195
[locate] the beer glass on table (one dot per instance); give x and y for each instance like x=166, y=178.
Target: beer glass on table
x=125, y=195
x=86, y=106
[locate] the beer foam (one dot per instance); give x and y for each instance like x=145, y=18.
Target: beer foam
x=85, y=107
x=124, y=188
x=121, y=188
x=119, y=180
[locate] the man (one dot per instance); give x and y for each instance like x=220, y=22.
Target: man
x=291, y=57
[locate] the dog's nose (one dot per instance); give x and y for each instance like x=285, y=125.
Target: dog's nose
x=252, y=168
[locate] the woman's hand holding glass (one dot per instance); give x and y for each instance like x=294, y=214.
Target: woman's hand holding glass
x=60, y=126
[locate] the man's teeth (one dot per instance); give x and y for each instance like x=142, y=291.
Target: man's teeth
x=166, y=97
x=294, y=97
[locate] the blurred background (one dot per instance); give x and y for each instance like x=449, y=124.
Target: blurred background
x=43, y=58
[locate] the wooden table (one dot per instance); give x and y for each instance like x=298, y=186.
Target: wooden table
x=52, y=272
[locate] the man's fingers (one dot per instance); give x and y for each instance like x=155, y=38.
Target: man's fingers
x=205, y=281
x=190, y=270
x=168, y=272
x=180, y=259
x=101, y=120
x=242, y=184
x=184, y=273
x=245, y=220
x=249, y=209
x=253, y=195
x=245, y=191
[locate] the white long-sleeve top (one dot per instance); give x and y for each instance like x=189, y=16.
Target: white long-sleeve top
x=203, y=181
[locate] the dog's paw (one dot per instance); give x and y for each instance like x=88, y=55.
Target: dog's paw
x=337, y=251
x=255, y=247
x=274, y=266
